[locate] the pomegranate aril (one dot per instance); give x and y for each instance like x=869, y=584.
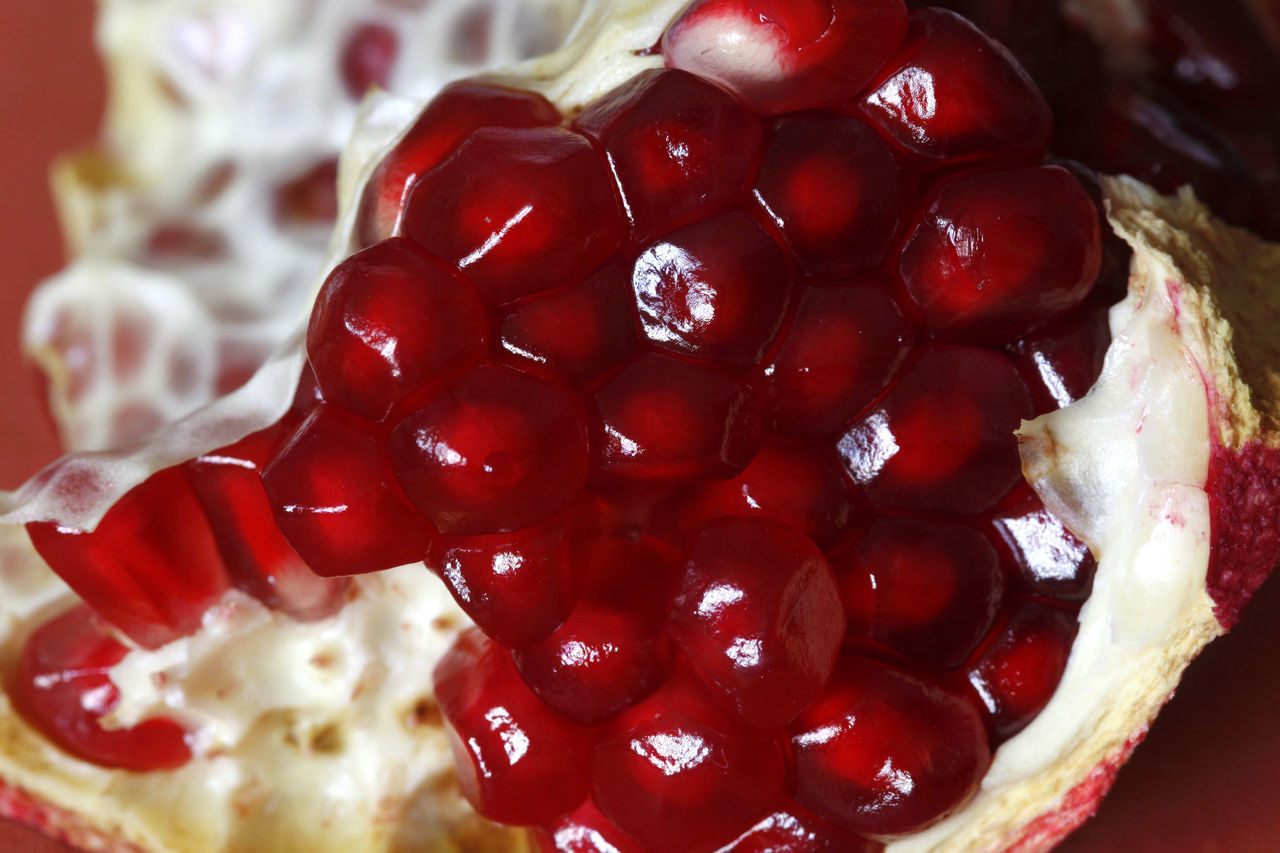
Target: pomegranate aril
x=496, y=451
x=605, y=659
x=716, y=290
x=677, y=773
x=884, y=753
x=943, y=438
x=1047, y=559
x=63, y=688
x=758, y=615
x=391, y=322
x=783, y=56
x=518, y=761
x=518, y=211
x=579, y=332
x=927, y=589
x=680, y=148
x=800, y=485
x=999, y=253
x=310, y=200
x=664, y=420
x=586, y=831
x=453, y=115
x=1016, y=673
x=953, y=93
x=368, y=56
x=844, y=344
x=1063, y=362
x=336, y=499
x=151, y=568
x=259, y=560
x=794, y=830
x=834, y=190
x=517, y=587
x=630, y=571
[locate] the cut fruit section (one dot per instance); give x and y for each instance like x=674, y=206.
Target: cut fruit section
x=716, y=612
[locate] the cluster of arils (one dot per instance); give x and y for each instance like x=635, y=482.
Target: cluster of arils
x=702, y=406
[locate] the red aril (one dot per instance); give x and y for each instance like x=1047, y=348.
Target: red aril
x=259, y=560
x=1061, y=363
x=834, y=190
x=758, y=616
x=680, y=148
x=389, y=323
x=586, y=831
x=517, y=587
x=794, y=830
x=1017, y=670
x=151, y=567
x=784, y=56
x=496, y=451
x=63, y=687
x=955, y=94
x=942, y=439
x=518, y=211
x=458, y=111
x=368, y=57
x=998, y=253
x=927, y=589
x=716, y=291
x=518, y=761
x=676, y=772
x=335, y=498
x=884, y=753
x=1047, y=559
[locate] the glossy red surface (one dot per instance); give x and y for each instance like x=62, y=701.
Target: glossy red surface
x=1205, y=778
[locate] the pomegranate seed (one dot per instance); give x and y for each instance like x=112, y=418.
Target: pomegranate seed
x=662, y=420
x=1049, y=561
x=605, y=659
x=518, y=211
x=497, y=451
x=310, y=200
x=578, y=333
x=928, y=589
x=954, y=93
x=844, y=345
x=1017, y=672
x=835, y=191
x=335, y=498
x=799, y=485
x=368, y=55
x=1063, y=362
x=63, y=688
x=783, y=56
x=883, y=753
x=716, y=290
x=151, y=568
x=453, y=115
x=586, y=831
x=794, y=830
x=680, y=148
x=259, y=559
x=942, y=439
x=758, y=615
x=998, y=253
x=676, y=773
x=391, y=322
x=518, y=762
x=631, y=572
x=517, y=587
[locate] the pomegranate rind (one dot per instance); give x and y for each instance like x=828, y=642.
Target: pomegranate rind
x=1188, y=390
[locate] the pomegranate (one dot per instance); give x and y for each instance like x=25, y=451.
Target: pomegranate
x=736, y=586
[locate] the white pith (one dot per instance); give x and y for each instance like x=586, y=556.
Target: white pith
x=1131, y=457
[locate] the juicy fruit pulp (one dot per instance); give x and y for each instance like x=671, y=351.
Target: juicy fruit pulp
x=702, y=407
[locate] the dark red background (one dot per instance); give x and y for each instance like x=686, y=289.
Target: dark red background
x=1205, y=780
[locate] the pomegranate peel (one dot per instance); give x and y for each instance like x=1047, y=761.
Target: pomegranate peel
x=1162, y=335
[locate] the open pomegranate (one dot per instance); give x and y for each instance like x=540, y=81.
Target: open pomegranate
x=808, y=459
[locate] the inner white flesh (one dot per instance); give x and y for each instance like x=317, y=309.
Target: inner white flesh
x=1137, y=449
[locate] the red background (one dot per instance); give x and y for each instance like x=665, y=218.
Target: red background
x=1206, y=778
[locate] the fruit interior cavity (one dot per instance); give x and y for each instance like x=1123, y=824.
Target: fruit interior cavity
x=702, y=405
